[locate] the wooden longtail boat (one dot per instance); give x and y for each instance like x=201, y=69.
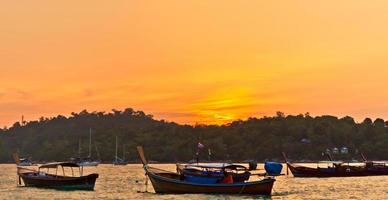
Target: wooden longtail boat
x=174, y=183
x=338, y=169
x=33, y=178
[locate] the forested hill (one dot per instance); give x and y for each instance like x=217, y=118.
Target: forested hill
x=301, y=136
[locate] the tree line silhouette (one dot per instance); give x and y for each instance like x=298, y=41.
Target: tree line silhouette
x=301, y=136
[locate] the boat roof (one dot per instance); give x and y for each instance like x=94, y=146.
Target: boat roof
x=214, y=165
x=56, y=164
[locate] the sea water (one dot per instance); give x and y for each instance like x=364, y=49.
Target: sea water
x=128, y=182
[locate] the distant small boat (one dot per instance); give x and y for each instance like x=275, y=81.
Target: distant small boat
x=26, y=162
x=88, y=163
x=22, y=161
x=338, y=169
x=174, y=183
x=33, y=178
x=85, y=162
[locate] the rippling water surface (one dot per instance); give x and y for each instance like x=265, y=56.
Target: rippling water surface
x=127, y=182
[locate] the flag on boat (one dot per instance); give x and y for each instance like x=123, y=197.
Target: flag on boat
x=200, y=146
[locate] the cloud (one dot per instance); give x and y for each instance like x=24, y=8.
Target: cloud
x=175, y=114
x=23, y=94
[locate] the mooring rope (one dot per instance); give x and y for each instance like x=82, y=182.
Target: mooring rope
x=242, y=189
x=146, y=182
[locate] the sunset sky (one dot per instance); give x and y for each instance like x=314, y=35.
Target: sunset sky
x=194, y=61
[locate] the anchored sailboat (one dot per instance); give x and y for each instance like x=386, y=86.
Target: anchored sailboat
x=86, y=161
x=119, y=161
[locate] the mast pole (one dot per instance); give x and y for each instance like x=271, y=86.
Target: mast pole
x=116, y=151
x=123, y=152
x=79, y=148
x=98, y=153
x=90, y=142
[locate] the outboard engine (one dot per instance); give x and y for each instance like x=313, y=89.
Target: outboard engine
x=273, y=168
x=252, y=165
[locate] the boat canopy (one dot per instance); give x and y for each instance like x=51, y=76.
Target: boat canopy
x=216, y=166
x=56, y=164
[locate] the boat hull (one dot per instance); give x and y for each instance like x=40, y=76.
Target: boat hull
x=162, y=184
x=301, y=171
x=237, y=178
x=59, y=182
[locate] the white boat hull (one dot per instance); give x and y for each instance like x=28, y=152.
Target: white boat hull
x=89, y=163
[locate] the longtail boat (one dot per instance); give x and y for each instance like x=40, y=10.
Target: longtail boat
x=338, y=169
x=38, y=178
x=175, y=183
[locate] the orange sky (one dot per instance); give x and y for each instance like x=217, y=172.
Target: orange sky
x=194, y=61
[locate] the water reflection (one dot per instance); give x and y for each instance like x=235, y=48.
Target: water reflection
x=127, y=182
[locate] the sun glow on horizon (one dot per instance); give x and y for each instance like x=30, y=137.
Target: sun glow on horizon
x=224, y=106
